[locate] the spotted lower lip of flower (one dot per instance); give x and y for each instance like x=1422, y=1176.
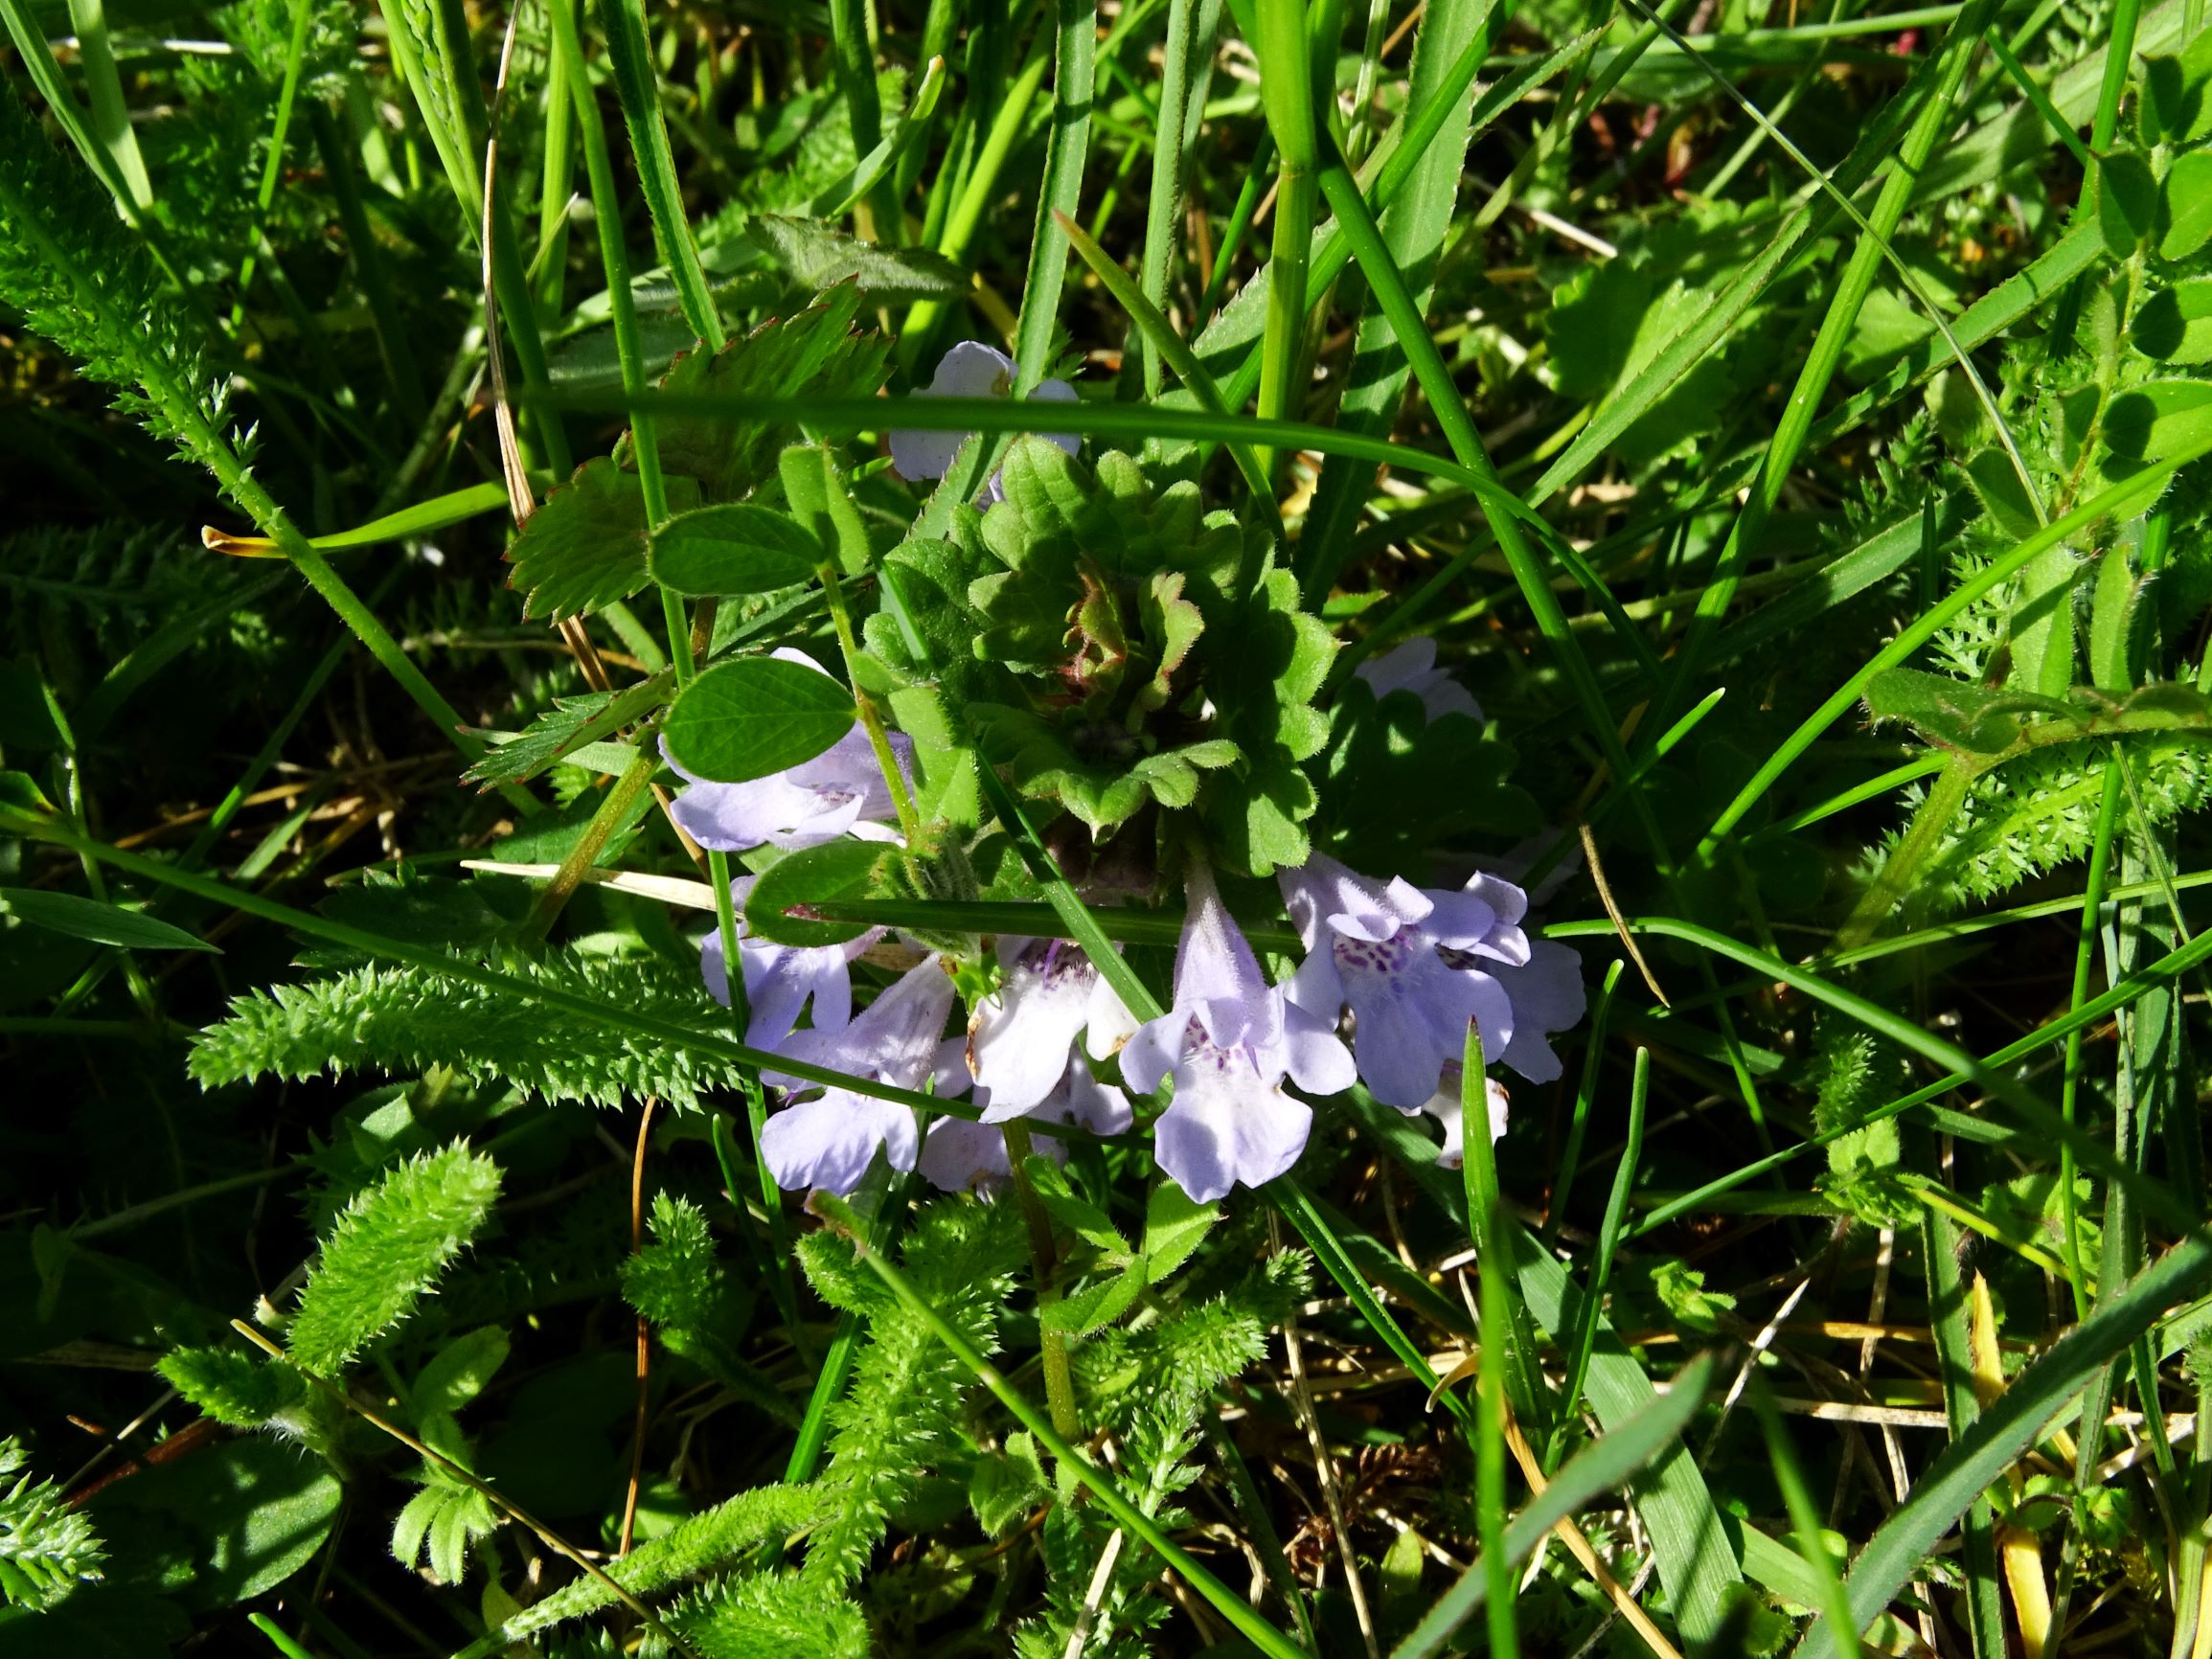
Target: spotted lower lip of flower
x=1019, y=1041
x=971, y=370
x=780, y=979
x=1228, y=1042
x=839, y=792
x=1402, y=959
x=829, y=1141
x=958, y=1155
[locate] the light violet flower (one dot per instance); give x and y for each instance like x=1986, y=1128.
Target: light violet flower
x=1404, y=960
x=829, y=1140
x=1411, y=666
x=839, y=792
x=1542, y=978
x=1228, y=1041
x=1019, y=1039
x=971, y=370
x=1547, y=996
x=1445, y=1107
x=782, y=979
x=957, y=1155
x=1518, y=860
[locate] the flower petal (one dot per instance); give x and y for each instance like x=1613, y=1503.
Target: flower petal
x=1021, y=1036
x=1411, y=666
x=894, y=1039
x=1228, y=1126
x=1059, y=391
x=1213, y=962
x=958, y=1156
x=1547, y=996
x=1153, y=1050
x=829, y=1142
x=1445, y=1106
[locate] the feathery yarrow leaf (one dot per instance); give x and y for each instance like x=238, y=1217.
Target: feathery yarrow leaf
x=47, y=1548
x=400, y=1020
x=77, y=278
x=387, y=1250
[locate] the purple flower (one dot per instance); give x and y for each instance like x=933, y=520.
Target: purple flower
x=1228, y=1041
x=829, y=1140
x=1403, y=960
x=1445, y=1108
x=840, y=791
x=1547, y=996
x=957, y=1155
x=1019, y=1040
x=782, y=979
x=1411, y=666
x=971, y=370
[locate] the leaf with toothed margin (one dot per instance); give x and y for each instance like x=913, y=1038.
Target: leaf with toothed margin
x=584, y=547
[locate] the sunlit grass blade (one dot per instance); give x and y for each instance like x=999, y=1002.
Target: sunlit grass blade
x=1612, y=1461
x=1414, y=228
x=1159, y=334
x=1992, y=1076
x=1695, y=1561
x=1225, y=1602
x=1074, y=56
x=1583, y=1338
x=1922, y=628
x=1838, y=325
x=1805, y=1523
x=629, y=53
x=2009, y=1428
x=839, y=198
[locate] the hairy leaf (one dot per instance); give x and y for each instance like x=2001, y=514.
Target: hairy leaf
x=388, y=1249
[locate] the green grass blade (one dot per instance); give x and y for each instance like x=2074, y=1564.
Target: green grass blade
x=2013, y=1423
x=1930, y=123
x=1585, y=1336
x=1160, y=336
x=1696, y=1563
x=1413, y=229
x=629, y=53
x=1805, y=1522
x=1075, y=75
x=110, y=114
x=1607, y=1464
x=1992, y=1076
x=1225, y=1600
x=1939, y=1245
x=1925, y=627
x=1166, y=192
x=1297, y=1207
x=1397, y=305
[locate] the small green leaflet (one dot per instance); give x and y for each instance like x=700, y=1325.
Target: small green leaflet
x=89, y=918
x=586, y=547
x=732, y=549
x=568, y=727
x=838, y=869
x=755, y=716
